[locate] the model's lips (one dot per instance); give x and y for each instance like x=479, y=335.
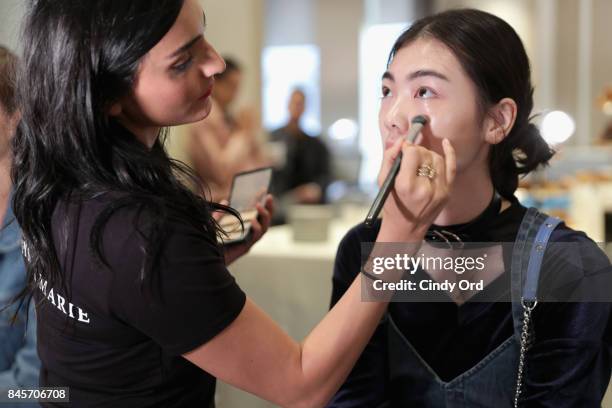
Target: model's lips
x=390, y=141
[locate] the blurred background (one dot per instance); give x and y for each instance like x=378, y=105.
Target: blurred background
x=312, y=68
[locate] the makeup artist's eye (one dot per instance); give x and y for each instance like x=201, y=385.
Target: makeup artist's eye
x=183, y=66
x=385, y=91
x=424, y=93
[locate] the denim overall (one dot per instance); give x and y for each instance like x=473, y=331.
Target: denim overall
x=492, y=381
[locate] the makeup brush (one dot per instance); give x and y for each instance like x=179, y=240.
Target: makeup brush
x=417, y=124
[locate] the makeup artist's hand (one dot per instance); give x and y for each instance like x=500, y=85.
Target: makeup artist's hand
x=259, y=226
x=415, y=201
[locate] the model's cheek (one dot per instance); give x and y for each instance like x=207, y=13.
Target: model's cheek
x=381, y=124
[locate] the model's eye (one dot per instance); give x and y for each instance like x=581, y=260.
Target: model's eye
x=385, y=91
x=183, y=66
x=424, y=93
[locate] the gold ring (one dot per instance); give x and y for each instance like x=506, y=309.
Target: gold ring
x=426, y=170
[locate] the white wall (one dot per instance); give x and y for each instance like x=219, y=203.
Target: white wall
x=568, y=43
x=235, y=28
x=11, y=15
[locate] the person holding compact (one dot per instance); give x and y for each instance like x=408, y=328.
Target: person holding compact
x=135, y=305
x=467, y=74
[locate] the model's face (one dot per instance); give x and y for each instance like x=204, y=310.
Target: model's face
x=175, y=78
x=425, y=78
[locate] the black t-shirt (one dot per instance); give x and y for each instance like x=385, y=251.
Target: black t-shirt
x=307, y=161
x=115, y=344
x=570, y=365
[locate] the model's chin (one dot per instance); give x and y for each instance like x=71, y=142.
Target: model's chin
x=388, y=142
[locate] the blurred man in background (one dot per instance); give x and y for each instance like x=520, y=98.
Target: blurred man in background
x=306, y=172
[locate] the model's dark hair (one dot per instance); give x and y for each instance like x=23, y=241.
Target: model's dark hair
x=79, y=57
x=493, y=56
x=8, y=65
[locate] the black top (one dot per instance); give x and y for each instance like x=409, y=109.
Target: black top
x=568, y=367
x=110, y=342
x=307, y=161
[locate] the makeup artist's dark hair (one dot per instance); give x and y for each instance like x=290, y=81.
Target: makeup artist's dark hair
x=493, y=56
x=8, y=66
x=79, y=57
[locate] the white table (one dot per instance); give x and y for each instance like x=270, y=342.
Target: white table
x=291, y=281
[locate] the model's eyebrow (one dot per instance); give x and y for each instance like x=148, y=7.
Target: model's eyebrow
x=425, y=73
x=418, y=74
x=389, y=76
x=190, y=43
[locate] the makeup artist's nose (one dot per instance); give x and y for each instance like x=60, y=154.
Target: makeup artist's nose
x=213, y=64
x=397, y=119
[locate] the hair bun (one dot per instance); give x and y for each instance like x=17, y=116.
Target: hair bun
x=533, y=149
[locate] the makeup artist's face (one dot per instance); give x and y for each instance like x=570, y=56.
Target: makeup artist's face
x=175, y=78
x=425, y=78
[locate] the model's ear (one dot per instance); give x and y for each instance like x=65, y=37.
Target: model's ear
x=499, y=120
x=115, y=109
x=15, y=118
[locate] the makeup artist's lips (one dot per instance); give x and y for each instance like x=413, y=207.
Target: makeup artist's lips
x=207, y=93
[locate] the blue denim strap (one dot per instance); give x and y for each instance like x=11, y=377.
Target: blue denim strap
x=530, y=288
x=524, y=236
x=525, y=268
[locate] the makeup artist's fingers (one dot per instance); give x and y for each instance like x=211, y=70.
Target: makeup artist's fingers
x=257, y=230
x=389, y=156
x=414, y=192
x=451, y=161
x=261, y=223
x=217, y=215
x=414, y=157
x=264, y=214
x=439, y=181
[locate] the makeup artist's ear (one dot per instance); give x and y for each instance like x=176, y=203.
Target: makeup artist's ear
x=499, y=121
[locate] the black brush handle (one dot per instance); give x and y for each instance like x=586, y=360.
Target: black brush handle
x=417, y=124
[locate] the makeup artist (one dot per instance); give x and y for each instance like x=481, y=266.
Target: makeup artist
x=135, y=305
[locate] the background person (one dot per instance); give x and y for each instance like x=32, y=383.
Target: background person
x=19, y=363
x=224, y=144
x=306, y=173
